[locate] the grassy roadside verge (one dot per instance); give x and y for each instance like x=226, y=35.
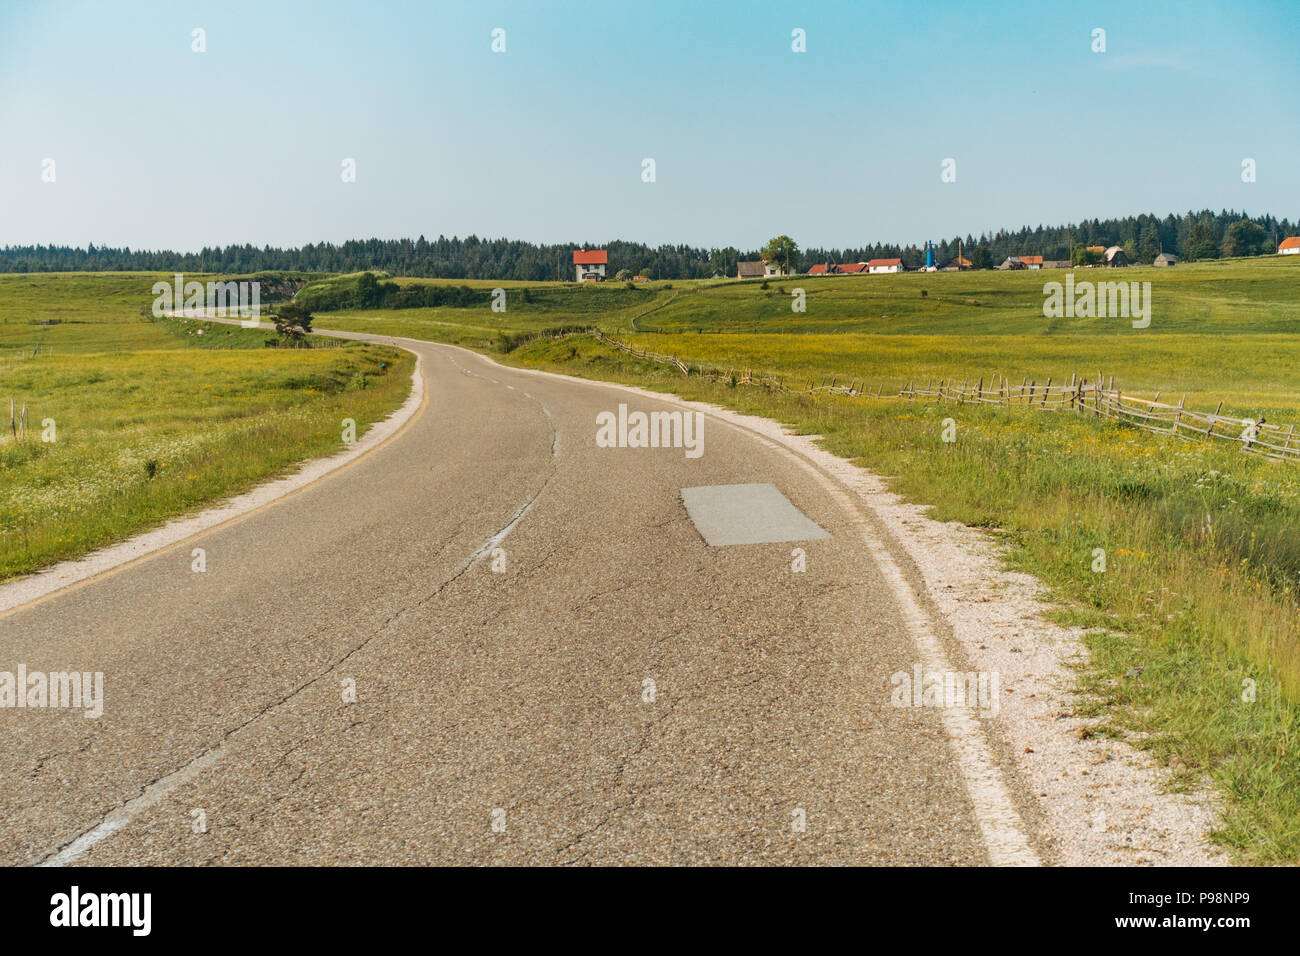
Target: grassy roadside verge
x=142, y=437
x=152, y=420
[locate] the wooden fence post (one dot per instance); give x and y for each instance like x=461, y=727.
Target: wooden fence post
x=1209, y=431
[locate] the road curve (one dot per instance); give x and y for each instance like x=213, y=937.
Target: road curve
x=361, y=676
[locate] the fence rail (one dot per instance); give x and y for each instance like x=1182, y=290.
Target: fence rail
x=1101, y=398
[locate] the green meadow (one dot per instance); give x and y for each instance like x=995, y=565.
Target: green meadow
x=153, y=419
x=1194, y=626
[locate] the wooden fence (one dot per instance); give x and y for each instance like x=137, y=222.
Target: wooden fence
x=26, y=353
x=632, y=350
x=1099, y=397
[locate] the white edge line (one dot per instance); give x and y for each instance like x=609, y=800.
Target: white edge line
x=116, y=820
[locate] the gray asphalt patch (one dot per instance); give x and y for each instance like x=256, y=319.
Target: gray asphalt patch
x=747, y=514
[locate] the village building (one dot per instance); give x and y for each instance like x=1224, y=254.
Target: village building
x=1032, y=262
x=1165, y=260
x=1011, y=262
x=957, y=264
x=1115, y=257
x=879, y=266
x=589, y=264
x=1289, y=247
x=1056, y=263
x=751, y=270
x=842, y=269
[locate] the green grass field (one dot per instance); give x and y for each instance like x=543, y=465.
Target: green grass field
x=1202, y=587
x=151, y=418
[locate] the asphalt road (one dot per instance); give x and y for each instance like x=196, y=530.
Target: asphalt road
x=499, y=716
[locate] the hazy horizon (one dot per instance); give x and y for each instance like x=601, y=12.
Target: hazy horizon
x=592, y=244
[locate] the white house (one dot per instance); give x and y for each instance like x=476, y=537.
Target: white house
x=876, y=266
x=1289, y=247
x=589, y=264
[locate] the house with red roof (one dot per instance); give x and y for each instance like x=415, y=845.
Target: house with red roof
x=876, y=266
x=589, y=264
x=843, y=269
x=1289, y=247
x=1032, y=262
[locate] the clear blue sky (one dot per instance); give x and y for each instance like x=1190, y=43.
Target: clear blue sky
x=156, y=146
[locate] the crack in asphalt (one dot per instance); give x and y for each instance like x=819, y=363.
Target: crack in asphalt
x=628, y=758
x=158, y=787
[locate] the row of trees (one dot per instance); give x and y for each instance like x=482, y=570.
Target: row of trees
x=1203, y=235
x=1193, y=236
